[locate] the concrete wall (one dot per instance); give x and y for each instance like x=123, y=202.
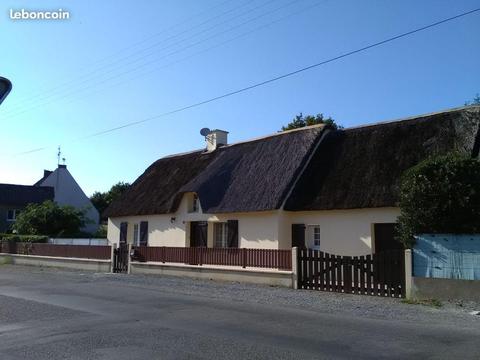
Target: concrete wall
x=80, y=241
x=50, y=261
x=445, y=289
x=343, y=232
x=275, y=278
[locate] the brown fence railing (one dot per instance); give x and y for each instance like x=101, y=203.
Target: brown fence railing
x=72, y=251
x=258, y=258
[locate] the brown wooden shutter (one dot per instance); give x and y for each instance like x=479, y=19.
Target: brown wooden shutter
x=144, y=233
x=232, y=233
x=123, y=232
x=298, y=235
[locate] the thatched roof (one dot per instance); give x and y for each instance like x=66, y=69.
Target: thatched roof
x=361, y=167
x=250, y=176
x=155, y=191
x=21, y=195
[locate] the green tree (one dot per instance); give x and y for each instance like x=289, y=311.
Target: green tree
x=475, y=101
x=301, y=121
x=101, y=200
x=440, y=195
x=50, y=219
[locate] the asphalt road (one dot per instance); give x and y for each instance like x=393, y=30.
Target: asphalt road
x=53, y=314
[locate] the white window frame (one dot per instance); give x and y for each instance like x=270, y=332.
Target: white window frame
x=220, y=228
x=314, y=236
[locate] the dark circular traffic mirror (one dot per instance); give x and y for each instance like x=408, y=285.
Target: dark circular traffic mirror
x=5, y=87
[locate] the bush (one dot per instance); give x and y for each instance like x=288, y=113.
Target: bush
x=440, y=195
x=50, y=219
x=101, y=232
x=24, y=238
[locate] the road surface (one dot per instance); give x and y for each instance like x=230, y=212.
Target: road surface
x=58, y=314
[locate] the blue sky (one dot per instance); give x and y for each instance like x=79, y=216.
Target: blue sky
x=114, y=62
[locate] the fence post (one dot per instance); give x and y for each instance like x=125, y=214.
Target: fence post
x=128, y=258
x=244, y=257
x=112, y=257
x=408, y=273
x=295, y=267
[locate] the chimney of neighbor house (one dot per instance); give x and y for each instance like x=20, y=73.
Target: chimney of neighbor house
x=216, y=138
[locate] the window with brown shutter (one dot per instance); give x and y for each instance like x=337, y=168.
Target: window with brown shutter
x=232, y=233
x=123, y=232
x=144, y=233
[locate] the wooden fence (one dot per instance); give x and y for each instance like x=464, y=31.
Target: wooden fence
x=258, y=258
x=381, y=274
x=70, y=251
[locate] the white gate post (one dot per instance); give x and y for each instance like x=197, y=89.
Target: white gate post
x=128, y=258
x=294, y=268
x=112, y=256
x=408, y=273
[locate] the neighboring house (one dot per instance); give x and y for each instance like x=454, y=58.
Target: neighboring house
x=14, y=198
x=68, y=192
x=333, y=190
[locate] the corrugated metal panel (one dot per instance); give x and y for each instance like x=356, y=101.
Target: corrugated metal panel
x=447, y=256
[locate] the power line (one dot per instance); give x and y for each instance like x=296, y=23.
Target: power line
x=149, y=71
x=136, y=44
x=22, y=109
x=137, y=56
x=277, y=78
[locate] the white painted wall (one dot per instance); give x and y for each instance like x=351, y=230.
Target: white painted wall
x=256, y=230
x=343, y=232
x=68, y=192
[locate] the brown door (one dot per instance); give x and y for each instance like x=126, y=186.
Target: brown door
x=298, y=235
x=198, y=234
x=385, y=238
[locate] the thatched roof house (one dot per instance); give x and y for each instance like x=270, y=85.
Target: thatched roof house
x=294, y=178
x=361, y=167
x=248, y=176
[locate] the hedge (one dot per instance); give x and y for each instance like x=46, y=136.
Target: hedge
x=24, y=238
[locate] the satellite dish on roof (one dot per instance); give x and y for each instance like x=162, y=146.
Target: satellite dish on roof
x=205, y=131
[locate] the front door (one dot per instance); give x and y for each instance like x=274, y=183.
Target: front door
x=198, y=233
x=298, y=235
x=385, y=238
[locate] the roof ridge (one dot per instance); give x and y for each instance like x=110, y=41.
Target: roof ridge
x=263, y=137
x=413, y=117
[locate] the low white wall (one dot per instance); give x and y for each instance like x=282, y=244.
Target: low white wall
x=265, y=277
x=50, y=261
x=71, y=241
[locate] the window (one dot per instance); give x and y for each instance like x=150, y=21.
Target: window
x=314, y=236
x=136, y=238
x=225, y=234
x=194, y=204
x=12, y=214
x=123, y=232
x=220, y=235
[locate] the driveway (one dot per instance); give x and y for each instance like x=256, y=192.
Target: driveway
x=58, y=314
